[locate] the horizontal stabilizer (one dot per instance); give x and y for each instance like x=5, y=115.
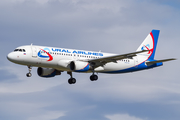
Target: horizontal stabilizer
x=158, y=61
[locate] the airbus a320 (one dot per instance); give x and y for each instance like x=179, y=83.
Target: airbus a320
x=51, y=61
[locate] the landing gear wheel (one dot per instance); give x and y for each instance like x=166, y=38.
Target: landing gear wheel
x=28, y=74
x=72, y=81
x=93, y=77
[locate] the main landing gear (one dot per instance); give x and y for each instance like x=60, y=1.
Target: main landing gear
x=71, y=80
x=93, y=77
x=29, y=74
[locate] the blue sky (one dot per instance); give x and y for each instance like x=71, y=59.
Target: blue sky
x=114, y=26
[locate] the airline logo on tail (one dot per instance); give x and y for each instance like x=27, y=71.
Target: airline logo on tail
x=147, y=47
x=150, y=43
x=45, y=53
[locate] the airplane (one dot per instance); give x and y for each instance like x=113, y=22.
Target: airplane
x=51, y=61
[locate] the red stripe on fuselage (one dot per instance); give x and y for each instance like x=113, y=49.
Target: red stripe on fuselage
x=50, y=57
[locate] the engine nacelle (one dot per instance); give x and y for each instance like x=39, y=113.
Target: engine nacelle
x=47, y=72
x=79, y=66
x=64, y=63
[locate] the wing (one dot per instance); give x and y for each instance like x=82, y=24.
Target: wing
x=102, y=61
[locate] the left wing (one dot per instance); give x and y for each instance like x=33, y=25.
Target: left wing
x=102, y=61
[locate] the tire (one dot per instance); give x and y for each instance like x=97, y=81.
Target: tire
x=28, y=74
x=93, y=77
x=72, y=81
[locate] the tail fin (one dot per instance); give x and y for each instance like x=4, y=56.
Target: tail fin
x=150, y=44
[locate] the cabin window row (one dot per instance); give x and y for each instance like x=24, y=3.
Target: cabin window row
x=125, y=60
x=70, y=55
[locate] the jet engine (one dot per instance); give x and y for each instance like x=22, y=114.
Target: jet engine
x=79, y=66
x=47, y=72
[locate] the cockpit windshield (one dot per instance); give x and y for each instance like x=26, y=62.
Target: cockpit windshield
x=20, y=50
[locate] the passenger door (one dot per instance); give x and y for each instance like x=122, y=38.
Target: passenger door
x=34, y=51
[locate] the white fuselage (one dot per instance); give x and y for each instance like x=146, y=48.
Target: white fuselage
x=35, y=56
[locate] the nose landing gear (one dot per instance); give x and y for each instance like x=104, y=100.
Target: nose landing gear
x=29, y=74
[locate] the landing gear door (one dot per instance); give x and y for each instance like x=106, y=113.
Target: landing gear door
x=34, y=51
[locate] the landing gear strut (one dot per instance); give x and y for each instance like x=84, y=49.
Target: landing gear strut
x=29, y=74
x=71, y=80
x=93, y=77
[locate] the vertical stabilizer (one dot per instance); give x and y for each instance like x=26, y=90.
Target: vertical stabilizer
x=150, y=44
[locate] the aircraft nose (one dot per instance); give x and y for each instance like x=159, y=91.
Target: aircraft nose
x=10, y=56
